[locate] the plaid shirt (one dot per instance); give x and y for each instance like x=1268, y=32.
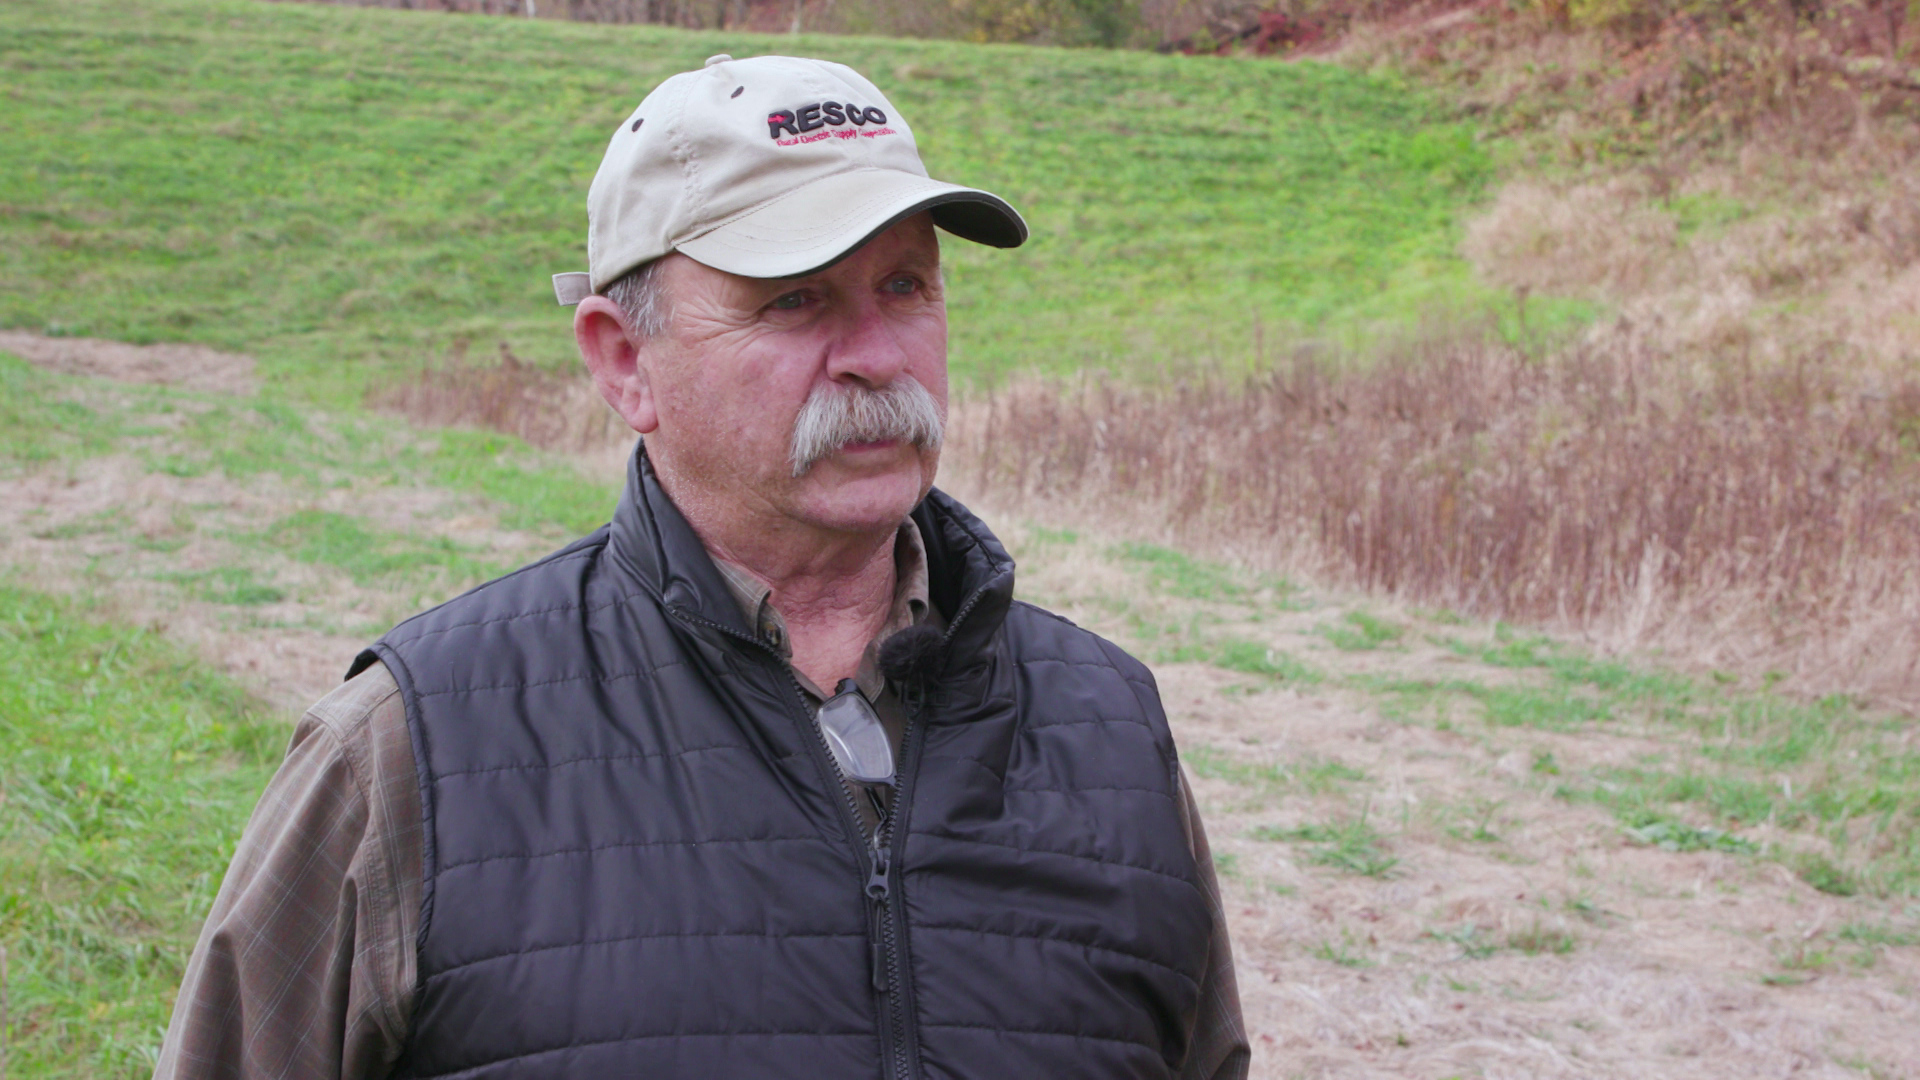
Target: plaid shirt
x=305, y=968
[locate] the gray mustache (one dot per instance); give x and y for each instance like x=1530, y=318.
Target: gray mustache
x=836, y=415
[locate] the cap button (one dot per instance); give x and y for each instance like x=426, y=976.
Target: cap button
x=720, y=58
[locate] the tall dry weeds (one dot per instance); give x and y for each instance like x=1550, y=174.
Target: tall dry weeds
x=1745, y=515
x=549, y=409
x=1740, y=516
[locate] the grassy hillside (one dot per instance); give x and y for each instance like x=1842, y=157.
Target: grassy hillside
x=331, y=188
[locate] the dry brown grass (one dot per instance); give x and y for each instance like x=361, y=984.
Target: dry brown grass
x=1762, y=256
x=1760, y=517
x=1751, y=515
x=551, y=410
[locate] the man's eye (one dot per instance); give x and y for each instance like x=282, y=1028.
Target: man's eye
x=788, y=302
x=901, y=286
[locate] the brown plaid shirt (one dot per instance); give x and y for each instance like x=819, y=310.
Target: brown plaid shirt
x=305, y=968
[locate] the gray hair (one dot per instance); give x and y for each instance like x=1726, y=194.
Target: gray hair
x=641, y=295
x=836, y=415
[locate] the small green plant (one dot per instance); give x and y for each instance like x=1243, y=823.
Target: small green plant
x=1345, y=952
x=1584, y=907
x=1806, y=957
x=1254, y=658
x=1479, y=831
x=1472, y=940
x=1861, y=933
x=1824, y=874
x=1353, y=846
x=1358, y=631
x=1213, y=763
x=1318, y=776
x=1538, y=939
x=1043, y=535
x=1669, y=835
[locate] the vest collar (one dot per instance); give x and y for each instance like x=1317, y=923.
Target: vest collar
x=970, y=574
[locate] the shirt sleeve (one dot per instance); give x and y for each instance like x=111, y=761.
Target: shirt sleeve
x=305, y=967
x=1219, y=1049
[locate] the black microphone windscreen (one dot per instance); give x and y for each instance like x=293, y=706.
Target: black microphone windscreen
x=915, y=654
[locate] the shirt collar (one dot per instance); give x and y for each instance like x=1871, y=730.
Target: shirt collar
x=910, y=606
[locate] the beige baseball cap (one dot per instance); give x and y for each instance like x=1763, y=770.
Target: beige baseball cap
x=770, y=167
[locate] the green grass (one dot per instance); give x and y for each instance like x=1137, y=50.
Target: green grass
x=1669, y=835
x=1847, y=779
x=128, y=769
x=1351, y=845
x=1478, y=825
x=1175, y=573
x=54, y=419
x=236, y=585
x=1311, y=776
x=1534, y=939
x=40, y=422
x=344, y=192
x=1345, y=952
x=1358, y=631
x=1861, y=933
x=370, y=556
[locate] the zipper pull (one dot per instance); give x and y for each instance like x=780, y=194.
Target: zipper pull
x=877, y=890
x=873, y=949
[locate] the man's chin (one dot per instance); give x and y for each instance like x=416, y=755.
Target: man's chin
x=852, y=492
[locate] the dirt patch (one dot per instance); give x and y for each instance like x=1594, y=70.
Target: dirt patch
x=192, y=367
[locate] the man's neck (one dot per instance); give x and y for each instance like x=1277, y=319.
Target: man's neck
x=832, y=589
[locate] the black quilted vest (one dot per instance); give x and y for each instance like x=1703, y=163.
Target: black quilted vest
x=640, y=861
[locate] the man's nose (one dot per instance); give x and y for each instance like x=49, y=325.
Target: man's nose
x=866, y=345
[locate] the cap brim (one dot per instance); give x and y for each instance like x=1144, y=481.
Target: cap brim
x=813, y=227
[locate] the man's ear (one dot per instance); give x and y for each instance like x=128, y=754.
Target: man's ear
x=615, y=363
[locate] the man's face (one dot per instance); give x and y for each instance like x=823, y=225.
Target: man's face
x=742, y=356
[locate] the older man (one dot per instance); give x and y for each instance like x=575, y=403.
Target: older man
x=770, y=777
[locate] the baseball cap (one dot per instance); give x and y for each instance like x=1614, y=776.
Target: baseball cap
x=769, y=167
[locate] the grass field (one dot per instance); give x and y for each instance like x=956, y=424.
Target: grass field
x=1449, y=847
x=339, y=190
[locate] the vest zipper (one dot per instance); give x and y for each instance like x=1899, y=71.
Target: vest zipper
x=884, y=848
x=889, y=972
x=889, y=848
x=887, y=976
